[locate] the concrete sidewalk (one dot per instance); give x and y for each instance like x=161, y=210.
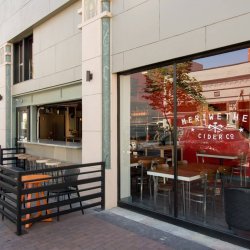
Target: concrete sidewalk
x=112, y=229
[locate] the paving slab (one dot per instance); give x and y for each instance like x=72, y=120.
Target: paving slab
x=111, y=229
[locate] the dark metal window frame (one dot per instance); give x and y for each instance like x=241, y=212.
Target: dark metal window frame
x=213, y=232
x=23, y=60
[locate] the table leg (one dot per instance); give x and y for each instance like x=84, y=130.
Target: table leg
x=28, y=205
x=181, y=154
x=183, y=198
x=172, y=151
x=141, y=186
x=155, y=178
x=189, y=196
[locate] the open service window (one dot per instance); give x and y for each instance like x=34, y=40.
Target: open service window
x=60, y=121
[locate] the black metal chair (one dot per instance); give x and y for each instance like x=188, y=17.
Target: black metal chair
x=237, y=208
x=69, y=178
x=163, y=187
x=239, y=171
x=204, y=191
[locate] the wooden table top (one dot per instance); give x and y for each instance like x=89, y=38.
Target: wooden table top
x=188, y=172
x=35, y=178
x=183, y=174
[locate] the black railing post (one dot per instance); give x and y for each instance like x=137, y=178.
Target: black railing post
x=19, y=204
x=14, y=205
x=103, y=185
x=1, y=156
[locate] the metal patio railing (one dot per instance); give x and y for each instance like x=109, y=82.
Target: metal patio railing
x=7, y=156
x=30, y=196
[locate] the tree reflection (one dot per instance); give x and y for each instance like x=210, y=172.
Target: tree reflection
x=158, y=90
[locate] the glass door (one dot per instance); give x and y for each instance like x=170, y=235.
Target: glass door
x=23, y=124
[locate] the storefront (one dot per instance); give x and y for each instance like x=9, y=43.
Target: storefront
x=184, y=140
x=49, y=123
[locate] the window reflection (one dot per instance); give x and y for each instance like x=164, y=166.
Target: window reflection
x=22, y=124
x=213, y=113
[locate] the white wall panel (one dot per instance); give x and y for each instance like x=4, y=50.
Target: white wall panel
x=91, y=40
x=137, y=27
x=91, y=146
x=68, y=53
x=8, y=8
x=32, y=12
x=117, y=7
x=128, y=4
x=57, y=29
x=44, y=63
x=228, y=32
x=91, y=113
x=120, y=6
x=2, y=75
x=55, y=4
x=17, y=16
x=69, y=75
x=166, y=49
x=3, y=120
x=2, y=138
x=77, y=73
x=57, y=45
x=147, y=32
x=117, y=62
x=2, y=93
x=178, y=16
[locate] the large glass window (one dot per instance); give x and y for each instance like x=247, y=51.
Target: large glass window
x=187, y=125
x=23, y=60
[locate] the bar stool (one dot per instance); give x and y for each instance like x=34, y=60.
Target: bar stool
x=23, y=158
x=55, y=174
x=40, y=163
x=31, y=163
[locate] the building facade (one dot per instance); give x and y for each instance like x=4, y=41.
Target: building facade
x=117, y=81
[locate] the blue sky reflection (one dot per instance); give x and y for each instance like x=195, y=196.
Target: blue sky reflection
x=229, y=58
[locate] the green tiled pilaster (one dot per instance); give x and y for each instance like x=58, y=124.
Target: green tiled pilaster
x=8, y=105
x=106, y=149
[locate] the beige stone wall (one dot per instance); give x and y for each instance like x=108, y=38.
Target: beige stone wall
x=149, y=31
